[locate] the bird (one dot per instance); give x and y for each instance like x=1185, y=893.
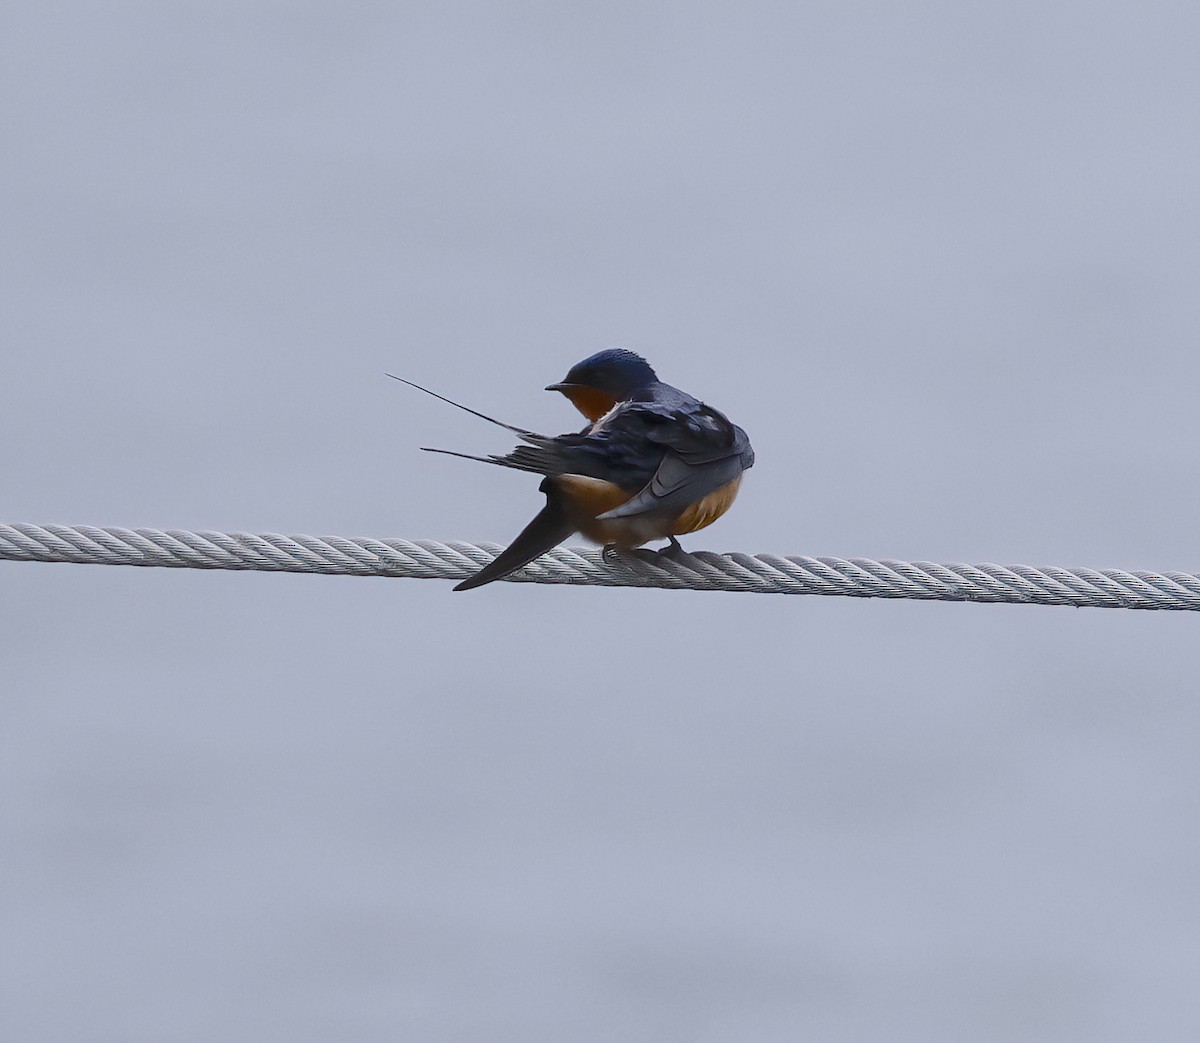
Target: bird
x=651, y=463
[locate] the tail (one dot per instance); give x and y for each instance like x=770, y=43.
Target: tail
x=528, y=436
x=523, y=458
x=547, y=530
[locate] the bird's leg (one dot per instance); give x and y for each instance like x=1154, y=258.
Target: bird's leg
x=673, y=550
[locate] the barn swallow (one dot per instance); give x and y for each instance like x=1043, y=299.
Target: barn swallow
x=652, y=463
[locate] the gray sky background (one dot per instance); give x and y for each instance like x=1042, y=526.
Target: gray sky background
x=939, y=259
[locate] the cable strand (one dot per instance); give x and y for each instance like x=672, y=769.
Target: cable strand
x=586, y=566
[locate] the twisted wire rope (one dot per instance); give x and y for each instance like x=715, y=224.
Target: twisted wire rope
x=704, y=570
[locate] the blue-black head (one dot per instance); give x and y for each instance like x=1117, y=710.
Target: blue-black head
x=617, y=371
x=602, y=380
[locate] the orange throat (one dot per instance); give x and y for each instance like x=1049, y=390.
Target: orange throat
x=591, y=403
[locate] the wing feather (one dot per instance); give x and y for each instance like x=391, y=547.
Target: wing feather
x=668, y=455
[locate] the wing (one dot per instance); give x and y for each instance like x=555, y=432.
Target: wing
x=702, y=451
x=666, y=455
x=619, y=452
x=547, y=530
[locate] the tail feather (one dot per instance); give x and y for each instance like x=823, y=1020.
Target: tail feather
x=547, y=530
x=529, y=436
x=508, y=460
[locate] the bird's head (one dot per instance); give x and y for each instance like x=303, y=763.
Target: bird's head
x=599, y=382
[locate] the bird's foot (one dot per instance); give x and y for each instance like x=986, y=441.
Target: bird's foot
x=612, y=554
x=673, y=551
